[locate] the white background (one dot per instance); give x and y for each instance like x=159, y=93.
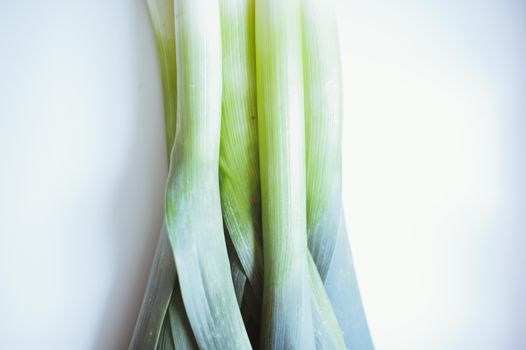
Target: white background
x=434, y=121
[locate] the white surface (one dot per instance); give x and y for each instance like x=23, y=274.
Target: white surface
x=434, y=121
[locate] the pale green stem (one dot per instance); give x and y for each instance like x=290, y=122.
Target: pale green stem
x=286, y=310
x=148, y=333
x=193, y=207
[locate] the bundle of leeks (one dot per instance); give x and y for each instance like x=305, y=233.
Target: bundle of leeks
x=254, y=250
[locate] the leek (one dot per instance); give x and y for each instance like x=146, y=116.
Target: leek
x=267, y=161
x=287, y=318
x=193, y=207
x=239, y=164
x=162, y=277
x=328, y=241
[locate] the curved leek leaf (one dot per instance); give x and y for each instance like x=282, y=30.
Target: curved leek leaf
x=327, y=331
x=183, y=338
x=156, y=297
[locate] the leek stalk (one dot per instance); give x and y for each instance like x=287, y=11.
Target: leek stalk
x=162, y=277
x=287, y=317
x=193, y=207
